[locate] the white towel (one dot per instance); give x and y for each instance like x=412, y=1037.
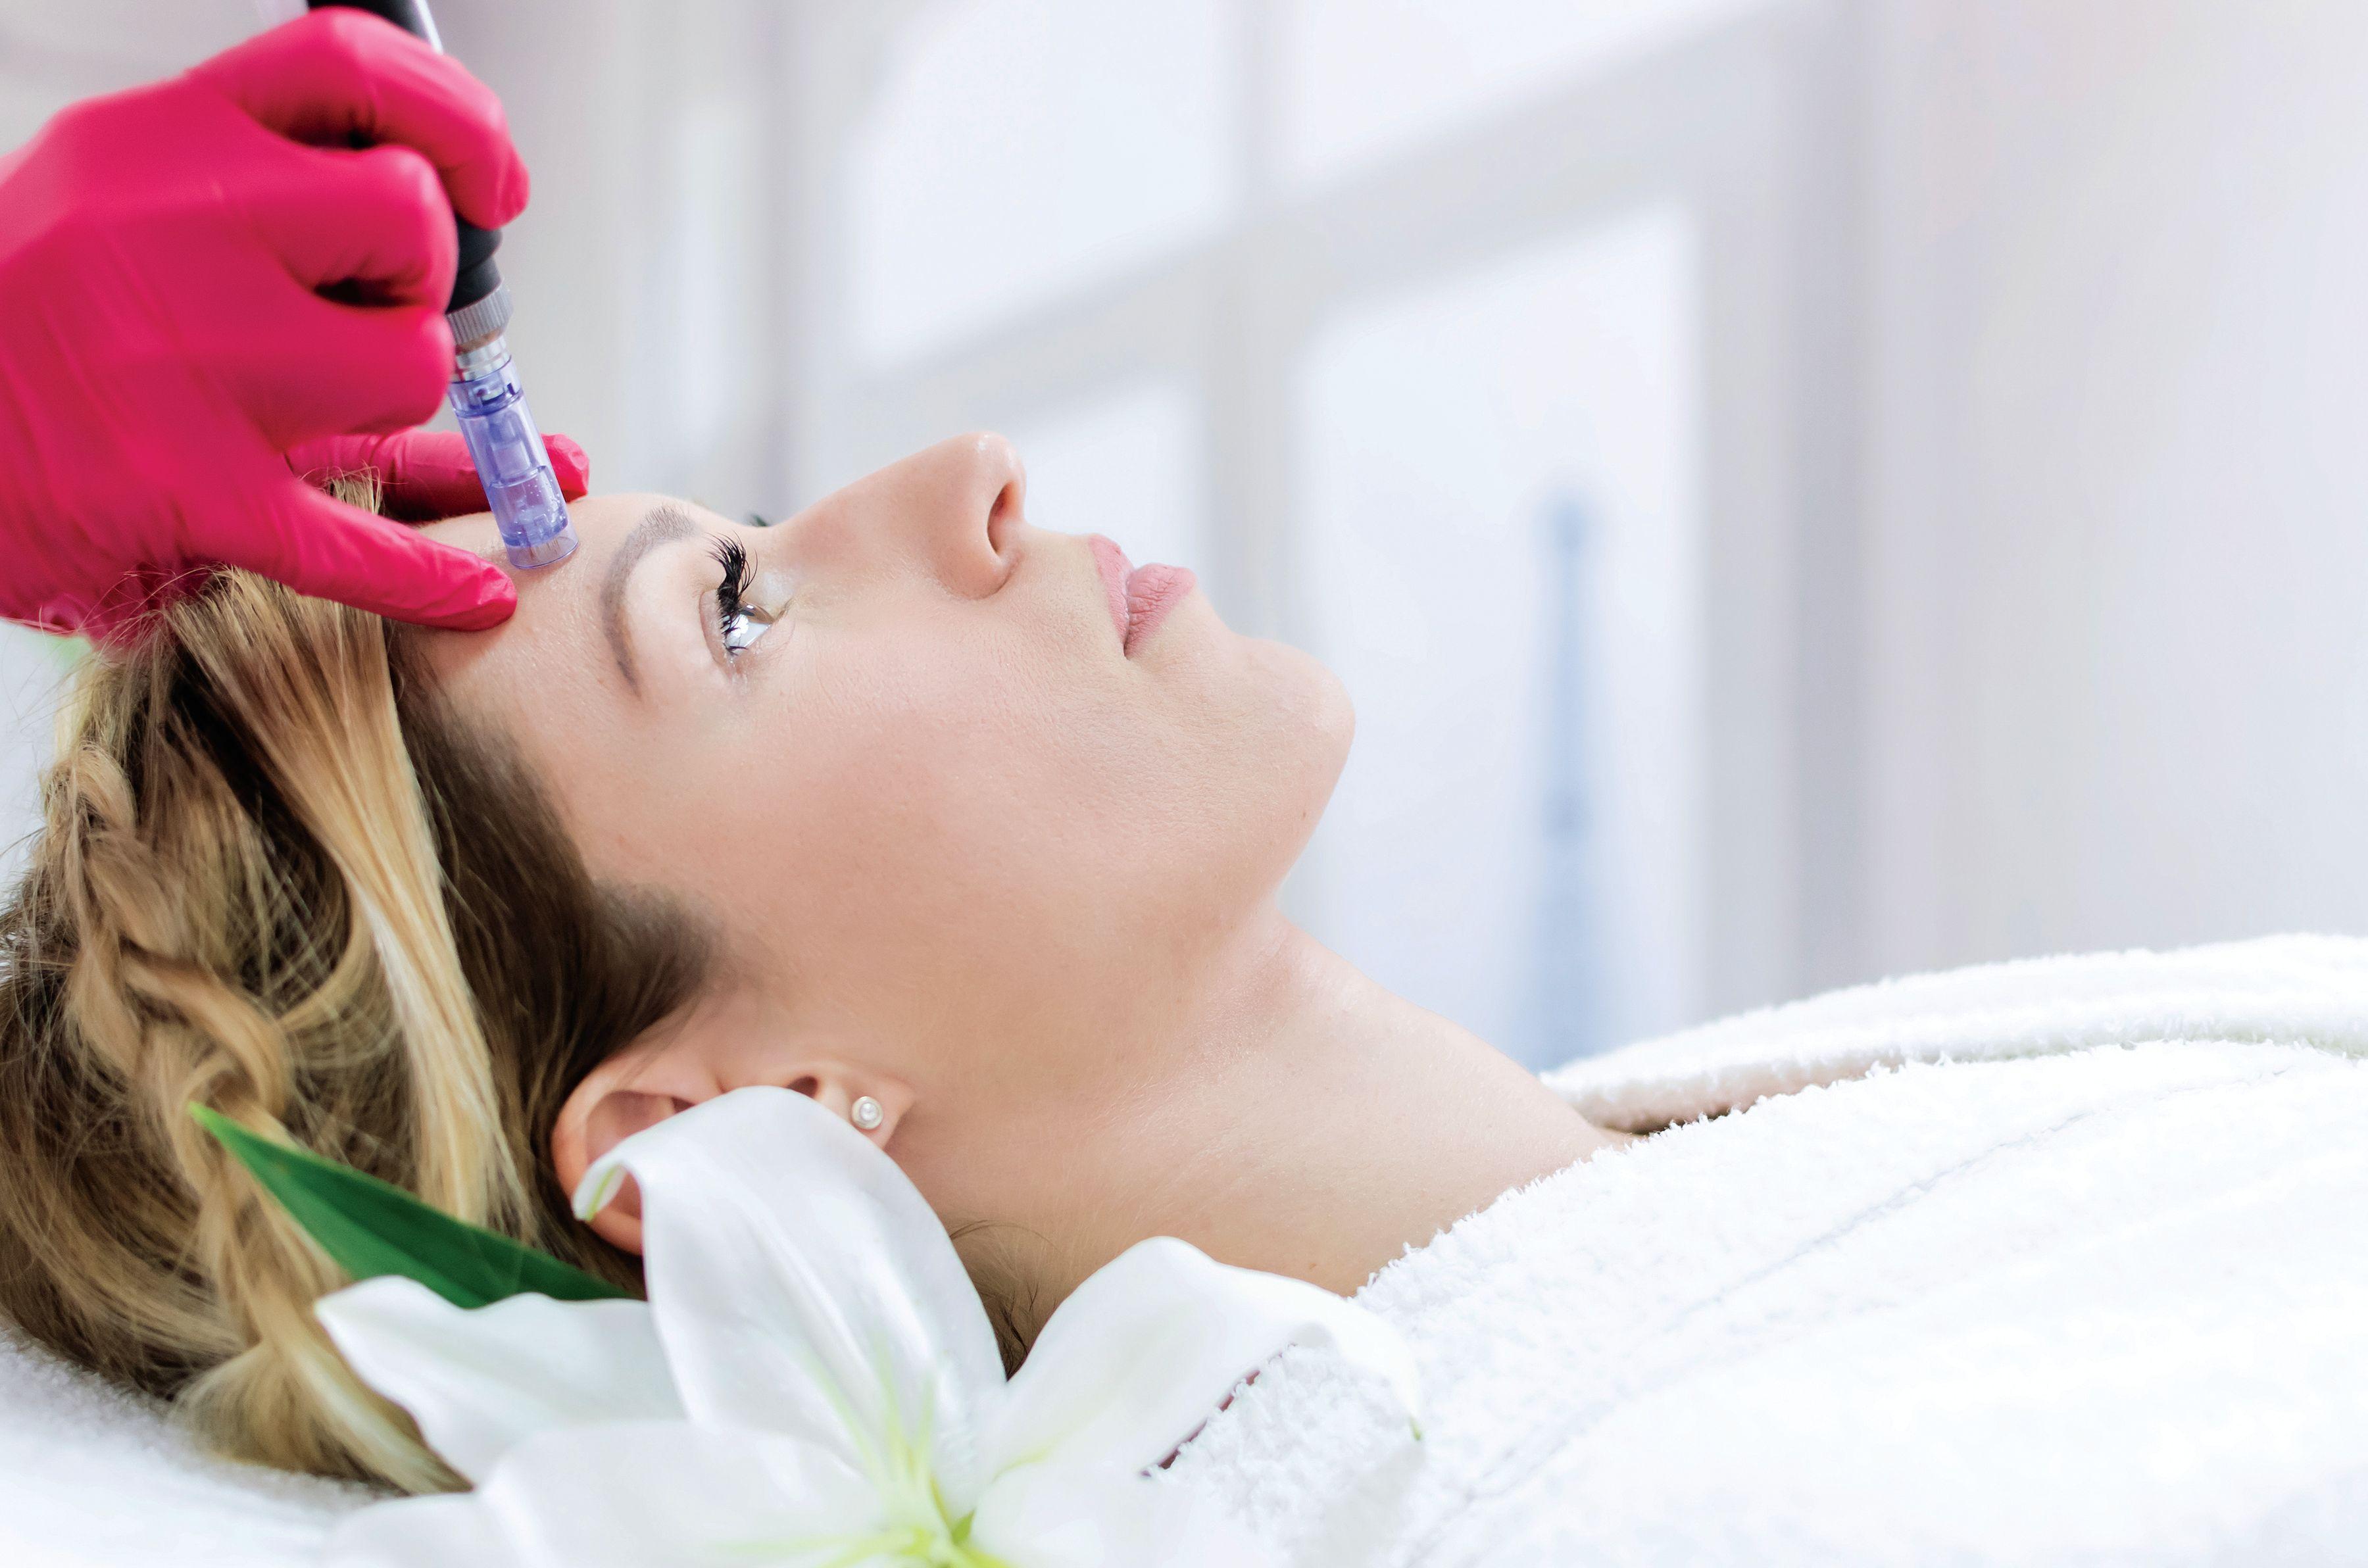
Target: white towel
x=94, y=1478
x=2295, y=990
x=2083, y=1279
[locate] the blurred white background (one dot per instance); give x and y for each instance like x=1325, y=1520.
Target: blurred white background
x=1799, y=490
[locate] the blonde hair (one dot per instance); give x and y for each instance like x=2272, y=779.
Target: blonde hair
x=276, y=876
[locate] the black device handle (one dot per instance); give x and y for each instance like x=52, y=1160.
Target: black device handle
x=477, y=275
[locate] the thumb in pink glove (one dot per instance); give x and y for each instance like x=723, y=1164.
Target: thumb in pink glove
x=199, y=278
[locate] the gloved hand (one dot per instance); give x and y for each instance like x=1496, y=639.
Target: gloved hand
x=202, y=279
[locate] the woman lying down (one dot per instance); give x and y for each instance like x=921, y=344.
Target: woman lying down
x=972, y=835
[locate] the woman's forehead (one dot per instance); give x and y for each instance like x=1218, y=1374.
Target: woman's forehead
x=550, y=658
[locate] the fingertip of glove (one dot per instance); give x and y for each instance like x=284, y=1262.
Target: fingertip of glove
x=521, y=188
x=497, y=602
x=570, y=463
x=478, y=601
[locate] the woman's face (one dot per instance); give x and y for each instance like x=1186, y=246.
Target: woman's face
x=959, y=828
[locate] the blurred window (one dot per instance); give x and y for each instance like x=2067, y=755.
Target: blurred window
x=1500, y=556
x=707, y=253
x=1359, y=78
x=1018, y=150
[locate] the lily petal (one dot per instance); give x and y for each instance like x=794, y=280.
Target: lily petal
x=479, y=1382
x=1056, y=1515
x=629, y=1495
x=1148, y=1348
x=802, y=1284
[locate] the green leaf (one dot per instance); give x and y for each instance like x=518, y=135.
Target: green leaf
x=369, y=1227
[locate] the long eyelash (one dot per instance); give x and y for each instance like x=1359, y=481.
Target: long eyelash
x=730, y=555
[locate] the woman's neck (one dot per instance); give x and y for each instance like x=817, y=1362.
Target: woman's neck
x=1317, y=1126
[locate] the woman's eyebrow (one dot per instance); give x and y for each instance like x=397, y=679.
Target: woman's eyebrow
x=663, y=525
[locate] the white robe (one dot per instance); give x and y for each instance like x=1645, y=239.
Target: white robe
x=2044, y=1263
x=2057, y=1301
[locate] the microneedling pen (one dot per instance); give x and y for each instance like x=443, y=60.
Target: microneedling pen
x=504, y=441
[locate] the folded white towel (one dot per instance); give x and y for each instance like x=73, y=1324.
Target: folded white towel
x=94, y=1478
x=2294, y=990
x=2027, y=1297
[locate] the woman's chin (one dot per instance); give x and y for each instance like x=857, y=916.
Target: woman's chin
x=1306, y=718
x=1330, y=714
x=1316, y=697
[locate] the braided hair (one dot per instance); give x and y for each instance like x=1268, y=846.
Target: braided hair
x=276, y=875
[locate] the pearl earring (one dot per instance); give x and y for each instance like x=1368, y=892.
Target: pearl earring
x=866, y=1113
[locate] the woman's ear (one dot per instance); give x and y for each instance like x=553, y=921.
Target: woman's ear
x=690, y=1063
x=635, y=1089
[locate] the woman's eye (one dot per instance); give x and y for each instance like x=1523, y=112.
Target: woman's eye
x=738, y=623
x=744, y=626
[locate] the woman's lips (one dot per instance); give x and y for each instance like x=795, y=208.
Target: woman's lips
x=1150, y=592
x=1139, y=596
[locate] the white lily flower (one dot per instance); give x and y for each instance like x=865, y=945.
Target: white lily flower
x=813, y=1382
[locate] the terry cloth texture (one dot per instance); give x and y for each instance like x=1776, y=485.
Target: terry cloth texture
x=2058, y=1262
x=91, y=1477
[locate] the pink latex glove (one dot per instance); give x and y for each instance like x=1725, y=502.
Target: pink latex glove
x=203, y=280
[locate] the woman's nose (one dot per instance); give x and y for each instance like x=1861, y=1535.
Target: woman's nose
x=976, y=487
